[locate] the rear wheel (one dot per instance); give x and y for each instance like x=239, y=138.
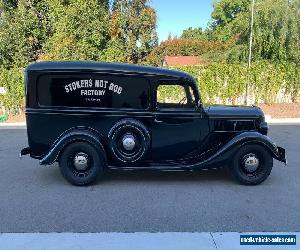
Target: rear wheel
x=80, y=163
x=252, y=164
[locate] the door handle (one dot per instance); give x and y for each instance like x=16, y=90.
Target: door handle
x=158, y=121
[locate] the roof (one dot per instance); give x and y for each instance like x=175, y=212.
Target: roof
x=182, y=60
x=102, y=66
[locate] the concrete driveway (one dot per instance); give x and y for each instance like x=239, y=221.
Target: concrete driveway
x=34, y=198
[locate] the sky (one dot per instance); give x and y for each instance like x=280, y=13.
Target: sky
x=173, y=16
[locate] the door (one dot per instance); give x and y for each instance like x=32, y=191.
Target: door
x=177, y=122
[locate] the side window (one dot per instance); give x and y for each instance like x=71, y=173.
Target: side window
x=93, y=90
x=174, y=96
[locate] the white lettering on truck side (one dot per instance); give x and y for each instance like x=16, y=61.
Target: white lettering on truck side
x=85, y=85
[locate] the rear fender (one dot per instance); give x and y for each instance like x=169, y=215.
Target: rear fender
x=74, y=135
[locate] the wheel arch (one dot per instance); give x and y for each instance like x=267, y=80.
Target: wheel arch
x=72, y=135
x=256, y=138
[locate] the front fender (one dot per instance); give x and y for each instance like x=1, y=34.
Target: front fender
x=73, y=135
x=231, y=147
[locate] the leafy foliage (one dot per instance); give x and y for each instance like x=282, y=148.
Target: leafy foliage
x=132, y=30
x=21, y=35
x=79, y=26
x=276, y=32
x=229, y=19
x=225, y=83
x=225, y=11
x=194, y=33
x=12, y=80
x=183, y=47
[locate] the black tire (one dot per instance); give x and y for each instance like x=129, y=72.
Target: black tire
x=94, y=164
x=251, y=175
x=139, y=135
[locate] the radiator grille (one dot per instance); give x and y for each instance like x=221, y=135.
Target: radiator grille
x=225, y=125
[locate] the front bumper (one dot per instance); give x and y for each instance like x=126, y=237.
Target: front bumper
x=24, y=151
x=281, y=155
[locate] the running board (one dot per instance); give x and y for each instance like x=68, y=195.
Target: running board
x=166, y=168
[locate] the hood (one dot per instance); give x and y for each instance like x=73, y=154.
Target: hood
x=235, y=112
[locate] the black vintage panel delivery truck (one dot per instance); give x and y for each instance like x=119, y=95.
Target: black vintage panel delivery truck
x=92, y=117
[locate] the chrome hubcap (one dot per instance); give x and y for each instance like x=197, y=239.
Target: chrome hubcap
x=251, y=163
x=128, y=142
x=81, y=161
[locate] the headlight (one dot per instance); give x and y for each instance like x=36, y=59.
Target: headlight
x=263, y=128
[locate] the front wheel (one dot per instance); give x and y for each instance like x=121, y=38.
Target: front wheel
x=252, y=164
x=81, y=164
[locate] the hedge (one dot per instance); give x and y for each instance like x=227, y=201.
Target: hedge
x=13, y=82
x=225, y=83
x=218, y=83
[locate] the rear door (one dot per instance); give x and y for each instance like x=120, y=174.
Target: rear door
x=177, y=122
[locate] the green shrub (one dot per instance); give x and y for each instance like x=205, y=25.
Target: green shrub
x=226, y=82
x=12, y=81
x=3, y=118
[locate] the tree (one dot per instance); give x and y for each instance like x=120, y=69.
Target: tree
x=225, y=11
x=183, y=47
x=132, y=30
x=276, y=28
x=228, y=19
x=79, y=30
x=22, y=34
x=194, y=33
x=7, y=5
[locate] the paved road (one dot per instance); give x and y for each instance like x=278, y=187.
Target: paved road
x=34, y=198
